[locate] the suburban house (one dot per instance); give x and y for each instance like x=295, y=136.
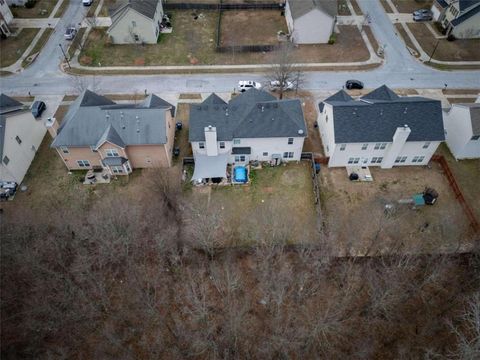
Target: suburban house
x=462, y=130
x=20, y=137
x=460, y=18
x=5, y=18
x=252, y=126
x=380, y=129
x=311, y=21
x=135, y=21
x=98, y=133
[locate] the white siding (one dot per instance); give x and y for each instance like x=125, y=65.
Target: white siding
x=147, y=29
x=469, y=29
x=325, y=127
x=354, y=150
x=314, y=27
x=458, y=133
x=31, y=133
x=259, y=146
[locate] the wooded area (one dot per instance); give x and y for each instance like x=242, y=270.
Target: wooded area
x=146, y=280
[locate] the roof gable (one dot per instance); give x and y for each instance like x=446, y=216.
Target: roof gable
x=298, y=8
x=7, y=104
x=383, y=93
x=144, y=7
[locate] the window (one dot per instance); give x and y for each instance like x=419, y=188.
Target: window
x=111, y=152
x=288, y=155
x=6, y=160
x=290, y=141
x=222, y=144
x=353, y=160
x=19, y=141
x=83, y=163
x=426, y=145
x=134, y=23
x=380, y=146
x=343, y=147
x=326, y=118
x=364, y=146
x=418, y=159
x=201, y=145
x=117, y=169
x=475, y=137
x=265, y=154
x=64, y=149
x=239, y=158
x=400, y=159
x=136, y=37
x=236, y=141
x=376, y=160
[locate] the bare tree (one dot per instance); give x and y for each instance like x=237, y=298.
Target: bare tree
x=284, y=71
x=468, y=332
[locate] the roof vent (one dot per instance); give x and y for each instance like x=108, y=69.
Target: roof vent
x=405, y=126
x=263, y=108
x=300, y=132
x=405, y=111
x=209, y=127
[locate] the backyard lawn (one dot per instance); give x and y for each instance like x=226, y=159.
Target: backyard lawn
x=193, y=42
x=458, y=50
x=359, y=222
x=13, y=47
x=42, y=9
x=279, y=201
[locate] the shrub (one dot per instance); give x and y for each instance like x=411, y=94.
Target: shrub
x=332, y=39
x=30, y=4
x=86, y=60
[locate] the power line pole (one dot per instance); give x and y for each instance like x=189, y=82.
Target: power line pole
x=65, y=56
x=435, y=48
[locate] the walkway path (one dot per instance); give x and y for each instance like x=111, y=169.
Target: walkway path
x=43, y=24
x=403, y=19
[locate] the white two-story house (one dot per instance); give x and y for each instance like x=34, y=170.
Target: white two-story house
x=380, y=129
x=252, y=126
x=462, y=130
x=460, y=18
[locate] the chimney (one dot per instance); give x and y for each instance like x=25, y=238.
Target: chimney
x=52, y=126
x=211, y=140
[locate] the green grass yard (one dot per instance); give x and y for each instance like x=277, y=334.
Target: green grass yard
x=13, y=47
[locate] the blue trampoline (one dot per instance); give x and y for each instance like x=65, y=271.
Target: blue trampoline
x=240, y=174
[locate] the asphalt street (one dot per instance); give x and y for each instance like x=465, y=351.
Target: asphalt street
x=400, y=69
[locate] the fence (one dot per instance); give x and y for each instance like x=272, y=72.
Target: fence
x=242, y=48
x=456, y=190
x=204, y=6
x=316, y=188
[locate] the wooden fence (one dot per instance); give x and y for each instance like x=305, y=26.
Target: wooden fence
x=458, y=193
x=223, y=6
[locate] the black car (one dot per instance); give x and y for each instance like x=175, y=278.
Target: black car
x=354, y=84
x=38, y=108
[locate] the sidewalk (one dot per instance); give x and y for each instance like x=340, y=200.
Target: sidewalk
x=43, y=24
x=343, y=20
x=403, y=19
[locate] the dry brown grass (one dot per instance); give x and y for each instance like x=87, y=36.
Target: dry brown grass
x=458, y=50
x=358, y=224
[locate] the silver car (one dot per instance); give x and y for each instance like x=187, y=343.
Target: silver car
x=70, y=33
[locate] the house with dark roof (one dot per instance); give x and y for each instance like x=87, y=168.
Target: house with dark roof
x=20, y=137
x=98, y=133
x=311, y=21
x=460, y=18
x=135, y=21
x=252, y=126
x=6, y=18
x=380, y=129
x=462, y=130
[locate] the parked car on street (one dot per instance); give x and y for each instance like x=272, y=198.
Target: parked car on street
x=354, y=84
x=87, y=2
x=38, y=107
x=70, y=33
x=248, y=84
x=422, y=15
x=275, y=85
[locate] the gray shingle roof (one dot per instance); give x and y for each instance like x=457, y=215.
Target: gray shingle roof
x=299, y=8
x=469, y=9
x=8, y=104
x=474, y=112
x=374, y=119
x=252, y=114
x=114, y=161
x=144, y=7
x=122, y=124
x=153, y=101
